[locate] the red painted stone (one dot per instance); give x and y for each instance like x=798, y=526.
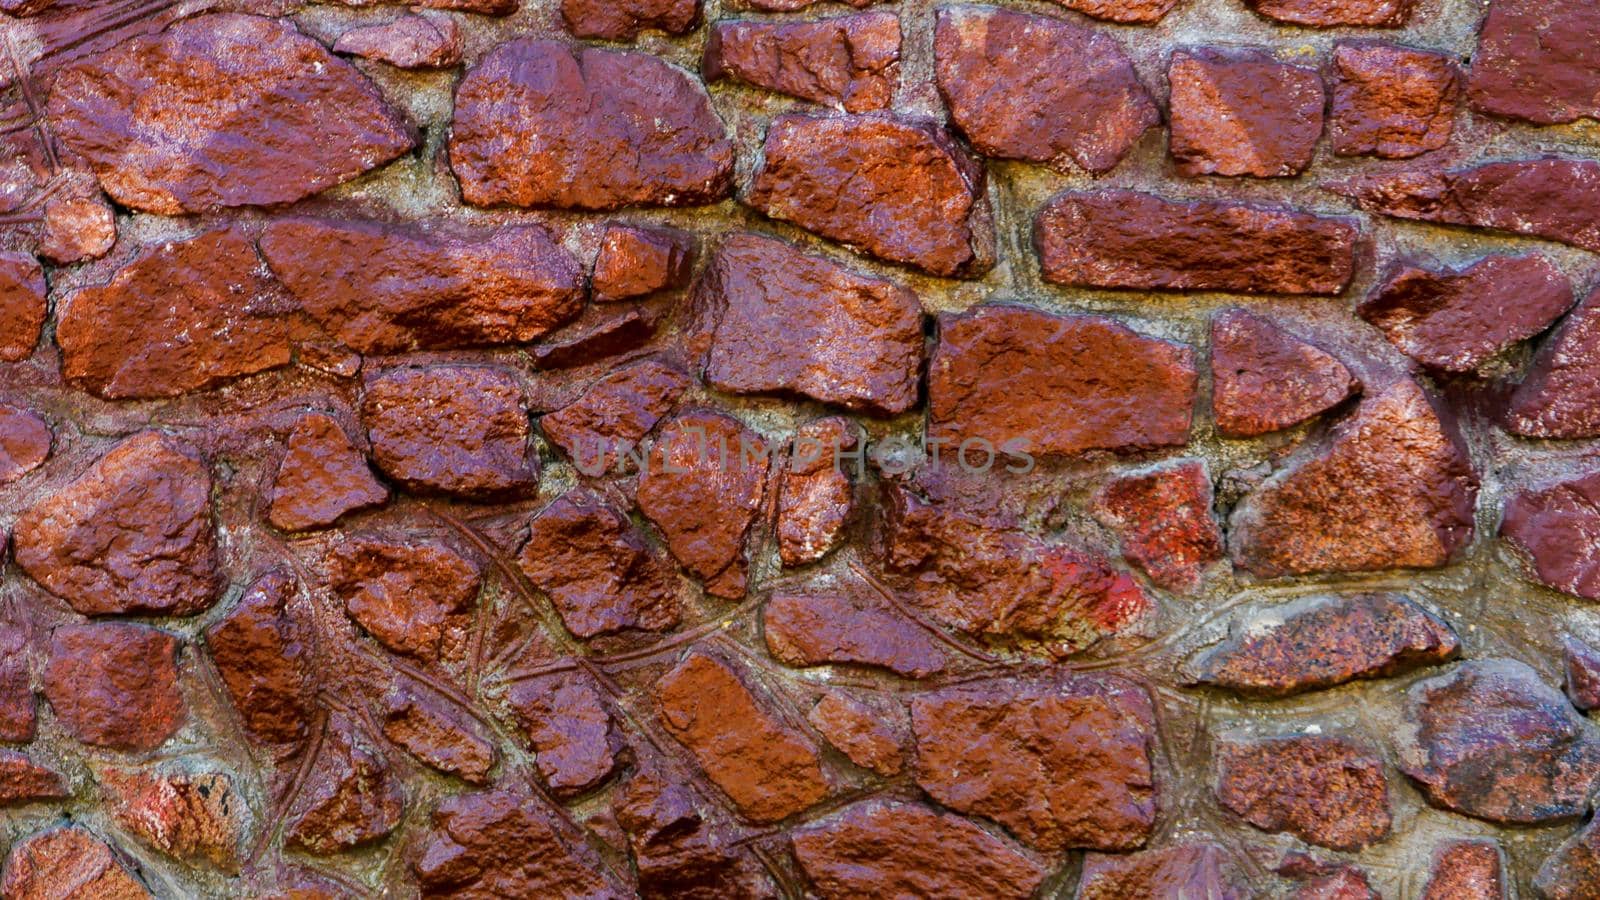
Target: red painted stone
x=848, y=62
x=264, y=655
x=678, y=848
x=1392, y=102
x=1537, y=61
x=24, y=781
x=77, y=229
x=577, y=744
x=321, y=478
x=404, y=592
x=1467, y=870
x=18, y=718
x=115, y=685
x=439, y=734
x=22, y=305
x=1264, y=379
x=846, y=623
x=1572, y=871
x=506, y=844
x=190, y=815
x=1325, y=790
x=816, y=497
x=409, y=42
x=350, y=797
x=25, y=442
x=623, y=20
x=1550, y=528
x=1336, y=13
x=1556, y=399
x=618, y=332
x=1581, y=673
x=1242, y=113
x=614, y=414
x=1197, y=870
x=870, y=734
x=636, y=261
x=68, y=862
x=1165, y=521
x=1129, y=12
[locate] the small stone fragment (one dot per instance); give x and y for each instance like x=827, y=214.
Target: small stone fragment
x=794, y=323
x=1341, y=883
x=1165, y=521
x=18, y=718
x=191, y=816
x=1392, y=488
x=848, y=62
x=1550, y=529
x=322, y=477
x=1243, y=113
x=438, y=734
x=1467, y=870
x=385, y=289
x=1319, y=642
x=460, y=430
x=623, y=20
x=1392, y=102
x=1336, y=13
x=898, y=189
x=889, y=849
x=569, y=727
x=1061, y=763
x=68, y=862
x=1581, y=668
x=132, y=534
x=848, y=624
x=540, y=124
x=409, y=42
x=613, y=336
x=600, y=573
x=25, y=442
x=1556, y=399
x=349, y=797
x=115, y=685
x=264, y=656
x=816, y=496
x=1192, y=870
x=22, y=305
x=219, y=111
x=871, y=735
x=1536, y=761
x=24, y=781
x=680, y=851
x=1125, y=239
x=1014, y=378
x=1537, y=61
x=768, y=768
x=1324, y=790
x=614, y=414
x=1264, y=379
x=77, y=229
x=403, y=592
x=505, y=844
x=1572, y=871
x=637, y=261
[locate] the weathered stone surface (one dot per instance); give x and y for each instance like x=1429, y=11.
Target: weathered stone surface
x=637, y=261
x=767, y=767
x=115, y=684
x=898, y=189
x=871, y=735
x=1573, y=870
x=25, y=442
x=847, y=623
x=18, y=718
x=24, y=781
x=679, y=850
x=219, y=111
x=460, y=430
x=1130, y=12
x=1325, y=790
x=792, y=5
x=891, y=849
x=1242, y=113
x=622, y=332
x=1545, y=197
x=570, y=729
x=1061, y=763
x=816, y=497
x=795, y=323
x=1039, y=88
x=1550, y=528
x=1322, y=641
x=1467, y=870
x=1342, y=882
x=1536, y=764
x=409, y=42
x=1456, y=319
x=1165, y=521
x=321, y=478
x=704, y=491
x=614, y=414
x=1191, y=870
x=264, y=655
x=598, y=570
x=183, y=316
x=132, y=534
x=1125, y=239
x=402, y=591
x=1581, y=673
x=1392, y=102
x=68, y=862
x=848, y=62
x=1556, y=399
x=439, y=734
x=481, y=7
x=1537, y=61
x=541, y=124
x=505, y=844
x=22, y=305
x=192, y=816
x=1392, y=488
x=1264, y=379
x=75, y=229
x=350, y=797
x=1336, y=13
x=387, y=289
x=1056, y=385
x=623, y=20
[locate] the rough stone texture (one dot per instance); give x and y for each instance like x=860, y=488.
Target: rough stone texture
x=1131, y=12
x=264, y=656
x=1538, y=766
x=1581, y=673
x=381, y=289
x=1467, y=870
x=1393, y=487
x=1537, y=61
x=623, y=20
x=505, y=844
x=1572, y=871
x=181, y=317
x=679, y=848
x=848, y=62
x=189, y=815
x=1328, y=791
x=220, y=111
x=132, y=534
x=403, y=591
x=351, y=797
x=322, y=477
x=460, y=430
x=1456, y=319
x=22, y=305
x=1549, y=527
x=1264, y=379
x=1064, y=762
x=1555, y=399
x=635, y=261
x=615, y=335
x=1191, y=870
x=615, y=412
x=24, y=781
x=1390, y=101
x=792, y=323
x=1039, y=88
x=848, y=624
x=68, y=862
x=115, y=685
x=891, y=849
x=816, y=496
x=1335, y=13
x=25, y=441
x=1165, y=521
x=871, y=735
x=18, y=717
x=1242, y=113
x=1126, y=239
x=895, y=188
x=439, y=735
x=1321, y=642
x=1342, y=883
x=409, y=42
x=75, y=229
x=569, y=729
x=513, y=141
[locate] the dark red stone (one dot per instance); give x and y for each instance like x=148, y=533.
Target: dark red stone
x=1550, y=527
x=637, y=261
x=570, y=730
x=387, y=289
x=22, y=305
x=1467, y=870
x=1392, y=102
x=618, y=332
x=793, y=323
x=75, y=229
x=404, y=592
x=592, y=129
x=18, y=718
x=678, y=849
x=506, y=844
x=1341, y=883
x=68, y=862
x=222, y=110
x=792, y=5
x=1336, y=13
x=1191, y=870
x=1556, y=399
x=848, y=62
x=1124, y=239
x=264, y=655
x=1581, y=673
x=614, y=414
x=1573, y=870
x=25, y=442
x=846, y=623
x=871, y=733
x=1165, y=521
x=322, y=477
x=898, y=189
x=481, y=7
x=1129, y=12
x=816, y=497
x=194, y=816
x=115, y=685
x=24, y=781
x=623, y=20
x=1538, y=60
x=440, y=735
x=1324, y=790
x=409, y=42
x=1242, y=113
x=350, y=797
x=1264, y=379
